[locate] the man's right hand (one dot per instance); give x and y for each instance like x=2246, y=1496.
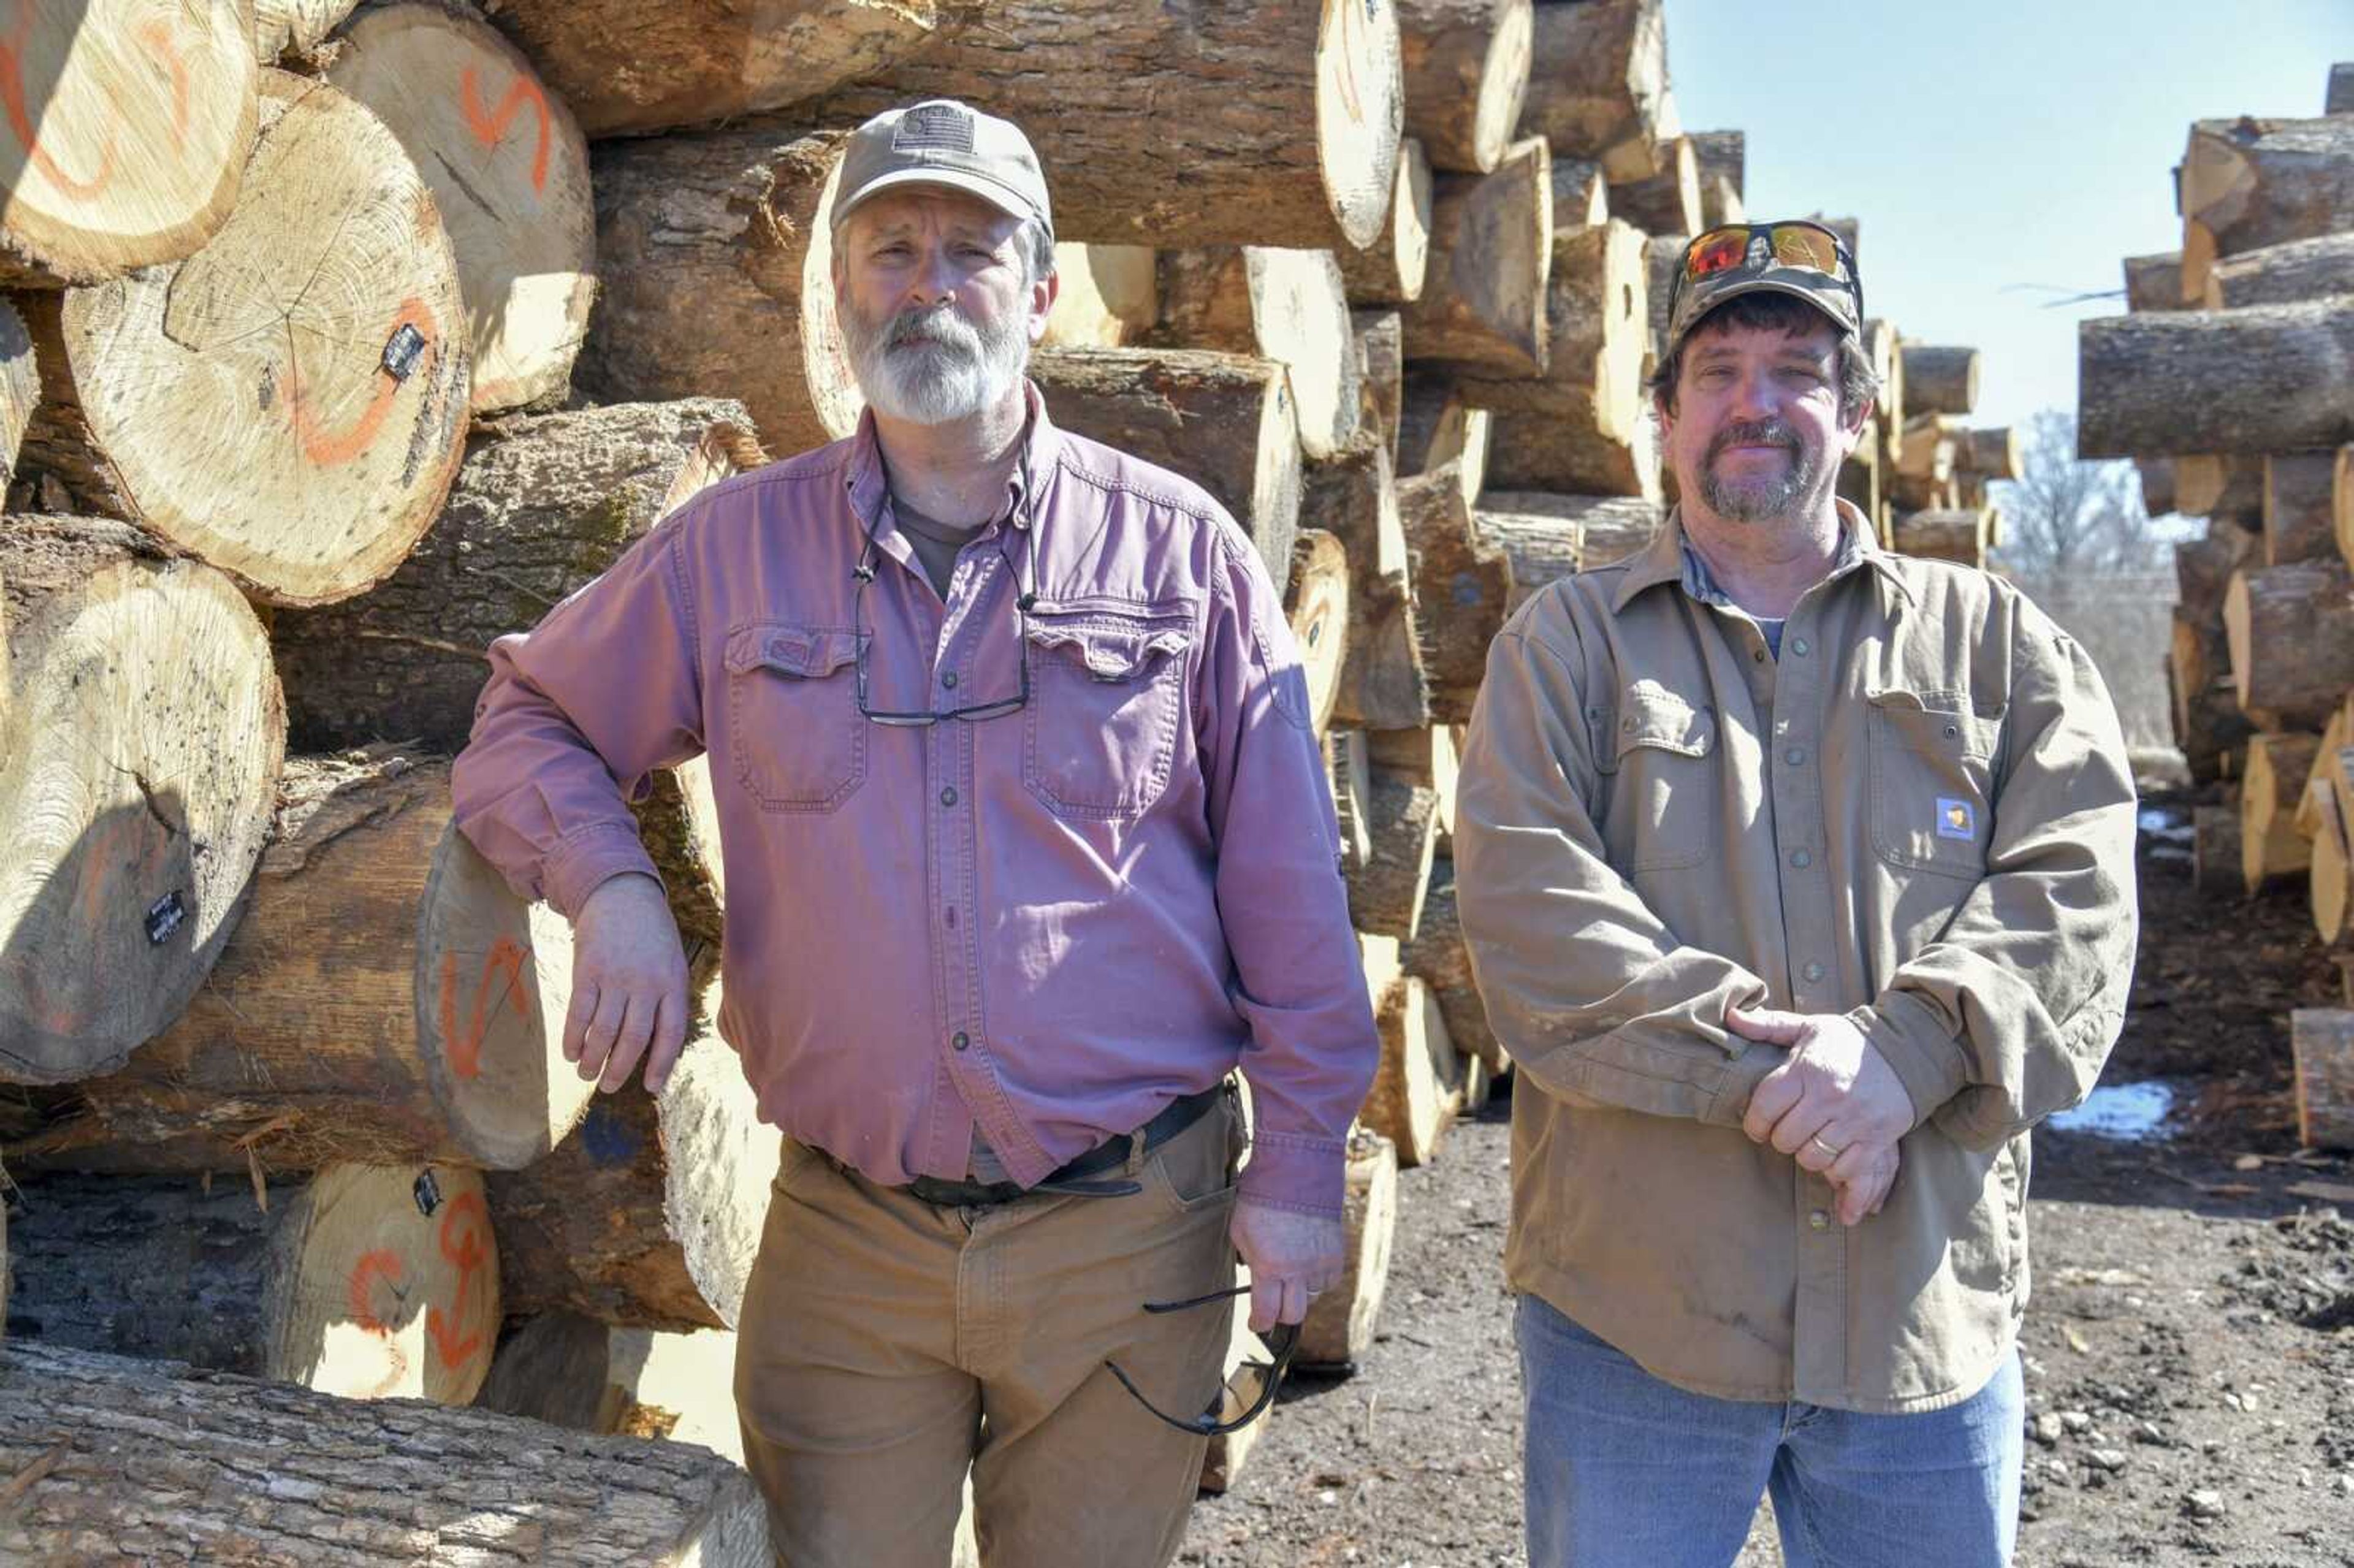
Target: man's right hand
x=629, y=985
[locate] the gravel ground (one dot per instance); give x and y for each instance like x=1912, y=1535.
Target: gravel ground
x=2189, y=1350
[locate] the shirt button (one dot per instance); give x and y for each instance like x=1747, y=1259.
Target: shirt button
x=1795, y=755
x=948, y=680
x=960, y=1040
x=1818, y=1221
x=1801, y=859
x=1798, y=646
x=1813, y=971
x=947, y=796
x=1758, y=654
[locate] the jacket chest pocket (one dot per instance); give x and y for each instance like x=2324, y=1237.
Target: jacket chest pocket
x=794, y=733
x=1106, y=695
x=1661, y=753
x=1932, y=781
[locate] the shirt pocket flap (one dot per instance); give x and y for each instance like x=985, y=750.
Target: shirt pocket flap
x=1937, y=724
x=1109, y=650
x=1665, y=722
x=807, y=651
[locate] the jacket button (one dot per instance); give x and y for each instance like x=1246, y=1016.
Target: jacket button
x=1798, y=646
x=1813, y=971
x=1818, y=1221
x=1795, y=755
x=948, y=680
x=947, y=796
x=1801, y=859
x=960, y=1040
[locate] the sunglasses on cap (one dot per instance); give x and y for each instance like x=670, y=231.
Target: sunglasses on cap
x=1795, y=244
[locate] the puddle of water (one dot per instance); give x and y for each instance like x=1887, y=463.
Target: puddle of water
x=2132, y=1113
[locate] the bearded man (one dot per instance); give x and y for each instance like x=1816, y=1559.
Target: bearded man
x=1797, y=878
x=1028, y=847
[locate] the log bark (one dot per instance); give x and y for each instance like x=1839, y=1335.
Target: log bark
x=627, y=69
x=1598, y=83
x=1959, y=536
x=369, y=1281
x=1289, y=307
x=717, y=255
x=2208, y=723
x=1225, y=421
x=2156, y=474
x=2285, y=274
x=290, y=402
x=161, y=1462
x=1928, y=448
x=1465, y=70
x=1437, y=427
x=2215, y=850
x=1581, y=194
x=2332, y=872
x=649, y=1215
x=576, y=1372
x=1663, y=256
x=1723, y=154
x=1270, y=123
x=1386, y=888
x=1318, y=610
x=542, y=505
x=1339, y=1329
x=1719, y=203
x=1881, y=344
x=1550, y=536
x=142, y=733
x=1381, y=344
x=1109, y=296
x=292, y=30
x=1438, y=957
x=1426, y=758
x=2271, y=379
x=1483, y=302
x=2271, y=848
x=1463, y=588
x=1354, y=497
x=509, y=173
x=1939, y=380
x=1668, y=202
x=1988, y=454
x=2299, y=489
x=2322, y=1041
x=2222, y=486
x=2155, y=282
x=2250, y=182
x=2291, y=640
x=130, y=131
x=2342, y=505
x=20, y=388
x=2200, y=653
x=1348, y=761
x=2339, y=99
x=1413, y=1098
x=304, y=1049
x=1392, y=270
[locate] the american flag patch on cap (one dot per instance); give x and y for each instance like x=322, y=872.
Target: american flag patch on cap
x=934, y=128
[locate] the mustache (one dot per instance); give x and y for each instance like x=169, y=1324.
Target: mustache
x=927, y=326
x=1754, y=432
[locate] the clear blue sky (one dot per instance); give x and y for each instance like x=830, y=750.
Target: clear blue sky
x=1993, y=145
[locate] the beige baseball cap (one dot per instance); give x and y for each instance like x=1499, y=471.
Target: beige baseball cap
x=943, y=143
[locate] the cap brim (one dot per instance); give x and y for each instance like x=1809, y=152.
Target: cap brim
x=1000, y=197
x=1760, y=285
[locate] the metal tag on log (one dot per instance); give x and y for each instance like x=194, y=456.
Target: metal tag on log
x=401, y=351
x=164, y=917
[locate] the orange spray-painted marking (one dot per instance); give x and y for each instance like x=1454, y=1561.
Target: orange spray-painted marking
x=20, y=118
x=461, y=1244
x=489, y=126
x=327, y=447
x=382, y=1264
x=464, y=1051
x=157, y=36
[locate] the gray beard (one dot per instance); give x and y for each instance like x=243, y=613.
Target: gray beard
x=931, y=366
x=1760, y=500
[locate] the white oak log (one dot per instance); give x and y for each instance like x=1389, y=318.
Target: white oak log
x=2291, y=640
x=715, y=251
x=650, y=1213
x=2208, y=721
x=1348, y=762
x=1946, y=535
x=541, y=506
x=1483, y=297
x=2340, y=99
x=2270, y=379
x=1269, y=122
x=1663, y=256
x=368, y=1281
x=2331, y=886
x=1939, y=380
x=1426, y=758
x=574, y=1371
x=1466, y=68
x=2215, y=850
x=2341, y=504
x=509, y=173
x=1721, y=156
x=2299, y=490
x=1387, y=887
x=292, y=30
x=127, y=132
x=2249, y=183
x=1438, y=426
x=1598, y=83
x=1317, y=611
x=290, y=402
x=1581, y=193
x=1583, y=427
x=1463, y=588
x=20, y=388
x=2222, y=486
x=1393, y=269
x=1381, y=346
x=2283, y=274
x=1550, y=536
x=1988, y=454
x=1413, y=1098
x=2322, y=1042
x=1668, y=202
x=1353, y=497
x=1289, y=307
x=161, y=1462
x=2157, y=475
x=1339, y=1329
x=2154, y=282
x=1437, y=955
x=625, y=68
x=1108, y=295
x=2278, y=767
x=1927, y=448
x=142, y=733
x=1226, y=421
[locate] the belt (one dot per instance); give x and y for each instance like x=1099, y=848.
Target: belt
x=1074, y=1178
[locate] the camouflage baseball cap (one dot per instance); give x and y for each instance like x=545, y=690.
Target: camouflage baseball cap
x=943, y=143
x=1795, y=257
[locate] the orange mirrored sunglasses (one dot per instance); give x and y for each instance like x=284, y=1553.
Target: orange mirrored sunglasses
x=1794, y=243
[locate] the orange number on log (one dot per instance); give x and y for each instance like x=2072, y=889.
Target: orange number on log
x=20, y=116
x=490, y=125
x=157, y=37
x=360, y=1291
x=464, y=1051
x=327, y=449
x=461, y=1244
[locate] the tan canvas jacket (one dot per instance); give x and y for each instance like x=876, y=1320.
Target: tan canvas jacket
x=1920, y=816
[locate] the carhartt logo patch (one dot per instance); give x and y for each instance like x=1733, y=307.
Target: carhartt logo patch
x=1955, y=818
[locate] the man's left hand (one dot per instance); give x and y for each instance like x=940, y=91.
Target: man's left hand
x=1833, y=1093
x=1291, y=1256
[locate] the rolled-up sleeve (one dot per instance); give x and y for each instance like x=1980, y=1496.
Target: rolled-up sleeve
x=1595, y=997
x=2010, y=1014
x=1299, y=980
x=574, y=716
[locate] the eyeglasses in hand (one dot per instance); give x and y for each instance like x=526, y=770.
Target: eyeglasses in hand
x=1254, y=1385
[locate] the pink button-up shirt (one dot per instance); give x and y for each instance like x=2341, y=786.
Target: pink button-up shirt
x=1046, y=924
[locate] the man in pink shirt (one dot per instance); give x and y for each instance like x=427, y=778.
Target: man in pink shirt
x=1028, y=847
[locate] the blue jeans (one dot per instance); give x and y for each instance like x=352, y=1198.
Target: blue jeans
x=1625, y=1469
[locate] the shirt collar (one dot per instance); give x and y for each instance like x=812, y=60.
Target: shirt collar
x=1667, y=559
x=870, y=486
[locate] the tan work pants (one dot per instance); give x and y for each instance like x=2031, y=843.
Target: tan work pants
x=885, y=1345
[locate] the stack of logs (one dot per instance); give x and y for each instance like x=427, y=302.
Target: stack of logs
x=2229, y=381
x=343, y=341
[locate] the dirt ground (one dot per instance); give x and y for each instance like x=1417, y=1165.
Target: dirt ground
x=2190, y=1351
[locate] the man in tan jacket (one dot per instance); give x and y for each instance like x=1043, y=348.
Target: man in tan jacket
x=1799, y=880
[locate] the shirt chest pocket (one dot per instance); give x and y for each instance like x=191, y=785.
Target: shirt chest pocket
x=1932, y=781
x=1107, y=696
x=794, y=733
x=1661, y=753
